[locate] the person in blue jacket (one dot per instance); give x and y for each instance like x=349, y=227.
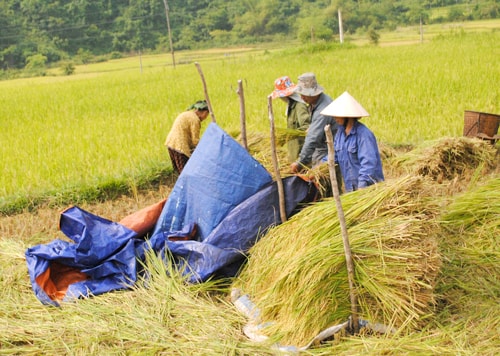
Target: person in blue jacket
x=356, y=148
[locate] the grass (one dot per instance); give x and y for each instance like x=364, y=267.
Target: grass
x=59, y=133
x=118, y=124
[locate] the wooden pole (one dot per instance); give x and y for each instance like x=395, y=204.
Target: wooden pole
x=281, y=191
x=205, y=91
x=421, y=31
x=354, y=325
x=140, y=60
x=242, y=115
x=165, y=2
x=341, y=28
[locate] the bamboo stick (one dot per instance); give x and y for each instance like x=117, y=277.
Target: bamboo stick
x=354, y=326
x=281, y=192
x=165, y=2
x=205, y=91
x=242, y=115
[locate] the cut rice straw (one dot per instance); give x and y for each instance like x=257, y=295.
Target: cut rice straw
x=297, y=276
x=448, y=158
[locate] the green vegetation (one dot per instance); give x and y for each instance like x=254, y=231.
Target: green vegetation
x=106, y=128
x=91, y=31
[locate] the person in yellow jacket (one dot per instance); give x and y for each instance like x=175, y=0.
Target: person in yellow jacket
x=185, y=134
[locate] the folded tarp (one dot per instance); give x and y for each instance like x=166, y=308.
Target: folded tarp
x=101, y=258
x=219, y=175
x=221, y=203
x=222, y=253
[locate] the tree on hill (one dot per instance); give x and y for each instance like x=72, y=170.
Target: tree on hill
x=59, y=30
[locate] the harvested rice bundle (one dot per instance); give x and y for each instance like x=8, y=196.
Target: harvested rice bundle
x=472, y=249
x=283, y=135
x=259, y=146
x=475, y=208
x=297, y=277
x=386, y=151
x=448, y=158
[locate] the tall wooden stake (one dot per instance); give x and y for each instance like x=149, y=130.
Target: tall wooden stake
x=421, y=31
x=205, y=91
x=140, y=60
x=165, y=2
x=341, y=29
x=343, y=227
x=242, y=115
x=281, y=191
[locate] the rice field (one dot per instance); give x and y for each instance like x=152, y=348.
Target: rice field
x=105, y=127
x=437, y=218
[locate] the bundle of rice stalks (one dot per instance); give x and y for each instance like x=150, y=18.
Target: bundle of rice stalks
x=386, y=151
x=320, y=174
x=449, y=158
x=284, y=135
x=259, y=146
x=476, y=209
x=472, y=248
x=297, y=277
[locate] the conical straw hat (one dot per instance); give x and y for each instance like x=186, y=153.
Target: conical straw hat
x=345, y=106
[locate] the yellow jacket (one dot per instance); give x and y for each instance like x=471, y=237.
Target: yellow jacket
x=185, y=133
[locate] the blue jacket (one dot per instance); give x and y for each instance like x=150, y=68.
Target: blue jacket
x=315, y=146
x=358, y=157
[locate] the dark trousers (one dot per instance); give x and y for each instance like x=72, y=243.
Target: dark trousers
x=178, y=159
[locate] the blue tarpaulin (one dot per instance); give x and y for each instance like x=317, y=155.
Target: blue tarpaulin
x=219, y=175
x=222, y=202
x=101, y=258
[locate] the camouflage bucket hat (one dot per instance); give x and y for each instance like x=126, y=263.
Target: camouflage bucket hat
x=308, y=86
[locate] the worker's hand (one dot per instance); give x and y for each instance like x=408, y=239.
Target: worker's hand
x=363, y=184
x=295, y=167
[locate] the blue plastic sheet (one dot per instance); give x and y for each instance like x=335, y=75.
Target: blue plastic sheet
x=101, y=249
x=223, y=192
x=222, y=253
x=219, y=175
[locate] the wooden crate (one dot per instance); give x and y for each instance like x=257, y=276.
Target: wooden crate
x=482, y=125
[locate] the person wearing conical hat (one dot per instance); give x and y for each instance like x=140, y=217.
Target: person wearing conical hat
x=315, y=147
x=297, y=114
x=185, y=134
x=356, y=148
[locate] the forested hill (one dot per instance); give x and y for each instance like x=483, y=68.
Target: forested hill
x=53, y=30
